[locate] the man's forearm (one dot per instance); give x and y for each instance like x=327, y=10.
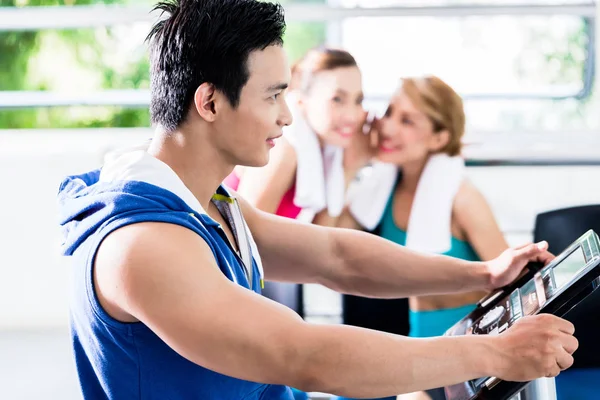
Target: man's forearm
x=360, y=363
x=374, y=267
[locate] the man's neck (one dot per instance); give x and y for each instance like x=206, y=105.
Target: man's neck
x=194, y=159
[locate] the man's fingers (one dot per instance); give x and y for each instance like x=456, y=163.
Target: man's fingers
x=564, y=360
x=543, y=245
x=569, y=343
x=556, y=323
x=527, y=252
x=554, y=371
x=535, y=251
x=546, y=257
x=564, y=326
x=523, y=245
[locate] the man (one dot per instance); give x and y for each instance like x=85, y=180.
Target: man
x=167, y=272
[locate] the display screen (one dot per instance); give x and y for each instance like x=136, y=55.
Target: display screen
x=568, y=268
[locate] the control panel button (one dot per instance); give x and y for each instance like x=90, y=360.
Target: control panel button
x=492, y=316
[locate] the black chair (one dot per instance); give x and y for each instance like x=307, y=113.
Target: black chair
x=561, y=228
x=386, y=315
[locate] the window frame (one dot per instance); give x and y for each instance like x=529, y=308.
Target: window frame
x=71, y=17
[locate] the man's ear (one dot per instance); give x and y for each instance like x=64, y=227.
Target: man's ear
x=204, y=101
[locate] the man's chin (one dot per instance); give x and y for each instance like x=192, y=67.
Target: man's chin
x=256, y=162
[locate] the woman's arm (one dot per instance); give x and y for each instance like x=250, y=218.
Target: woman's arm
x=477, y=221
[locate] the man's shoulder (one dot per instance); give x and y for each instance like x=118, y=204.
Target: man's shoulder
x=152, y=239
x=136, y=260
x=149, y=246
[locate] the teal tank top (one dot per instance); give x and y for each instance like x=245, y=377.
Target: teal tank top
x=435, y=322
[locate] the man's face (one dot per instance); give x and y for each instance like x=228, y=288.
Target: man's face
x=248, y=132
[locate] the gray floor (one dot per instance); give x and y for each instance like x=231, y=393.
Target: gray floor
x=37, y=365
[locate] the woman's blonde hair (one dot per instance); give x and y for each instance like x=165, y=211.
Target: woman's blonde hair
x=441, y=104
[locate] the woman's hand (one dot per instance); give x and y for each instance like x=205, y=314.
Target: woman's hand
x=362, y=147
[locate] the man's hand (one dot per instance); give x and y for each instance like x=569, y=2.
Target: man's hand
x=536, y=346
x=508, y=266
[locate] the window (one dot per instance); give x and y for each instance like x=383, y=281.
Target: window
x=531, y=71
x=514, y=70
x=433, y=3
x=64, y=68
x=302, y=36
x=499, y=56
x=54, y=73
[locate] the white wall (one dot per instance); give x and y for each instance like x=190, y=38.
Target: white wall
x=34, y=279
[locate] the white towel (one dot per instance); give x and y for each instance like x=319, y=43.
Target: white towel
x=429, y=224
x=320, y=182
x=370, y=194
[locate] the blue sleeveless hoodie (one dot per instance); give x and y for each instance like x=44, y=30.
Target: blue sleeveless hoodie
x=118, y=360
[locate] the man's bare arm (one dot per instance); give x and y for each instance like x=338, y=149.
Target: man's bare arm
x=360, y=263
x=165, y=276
